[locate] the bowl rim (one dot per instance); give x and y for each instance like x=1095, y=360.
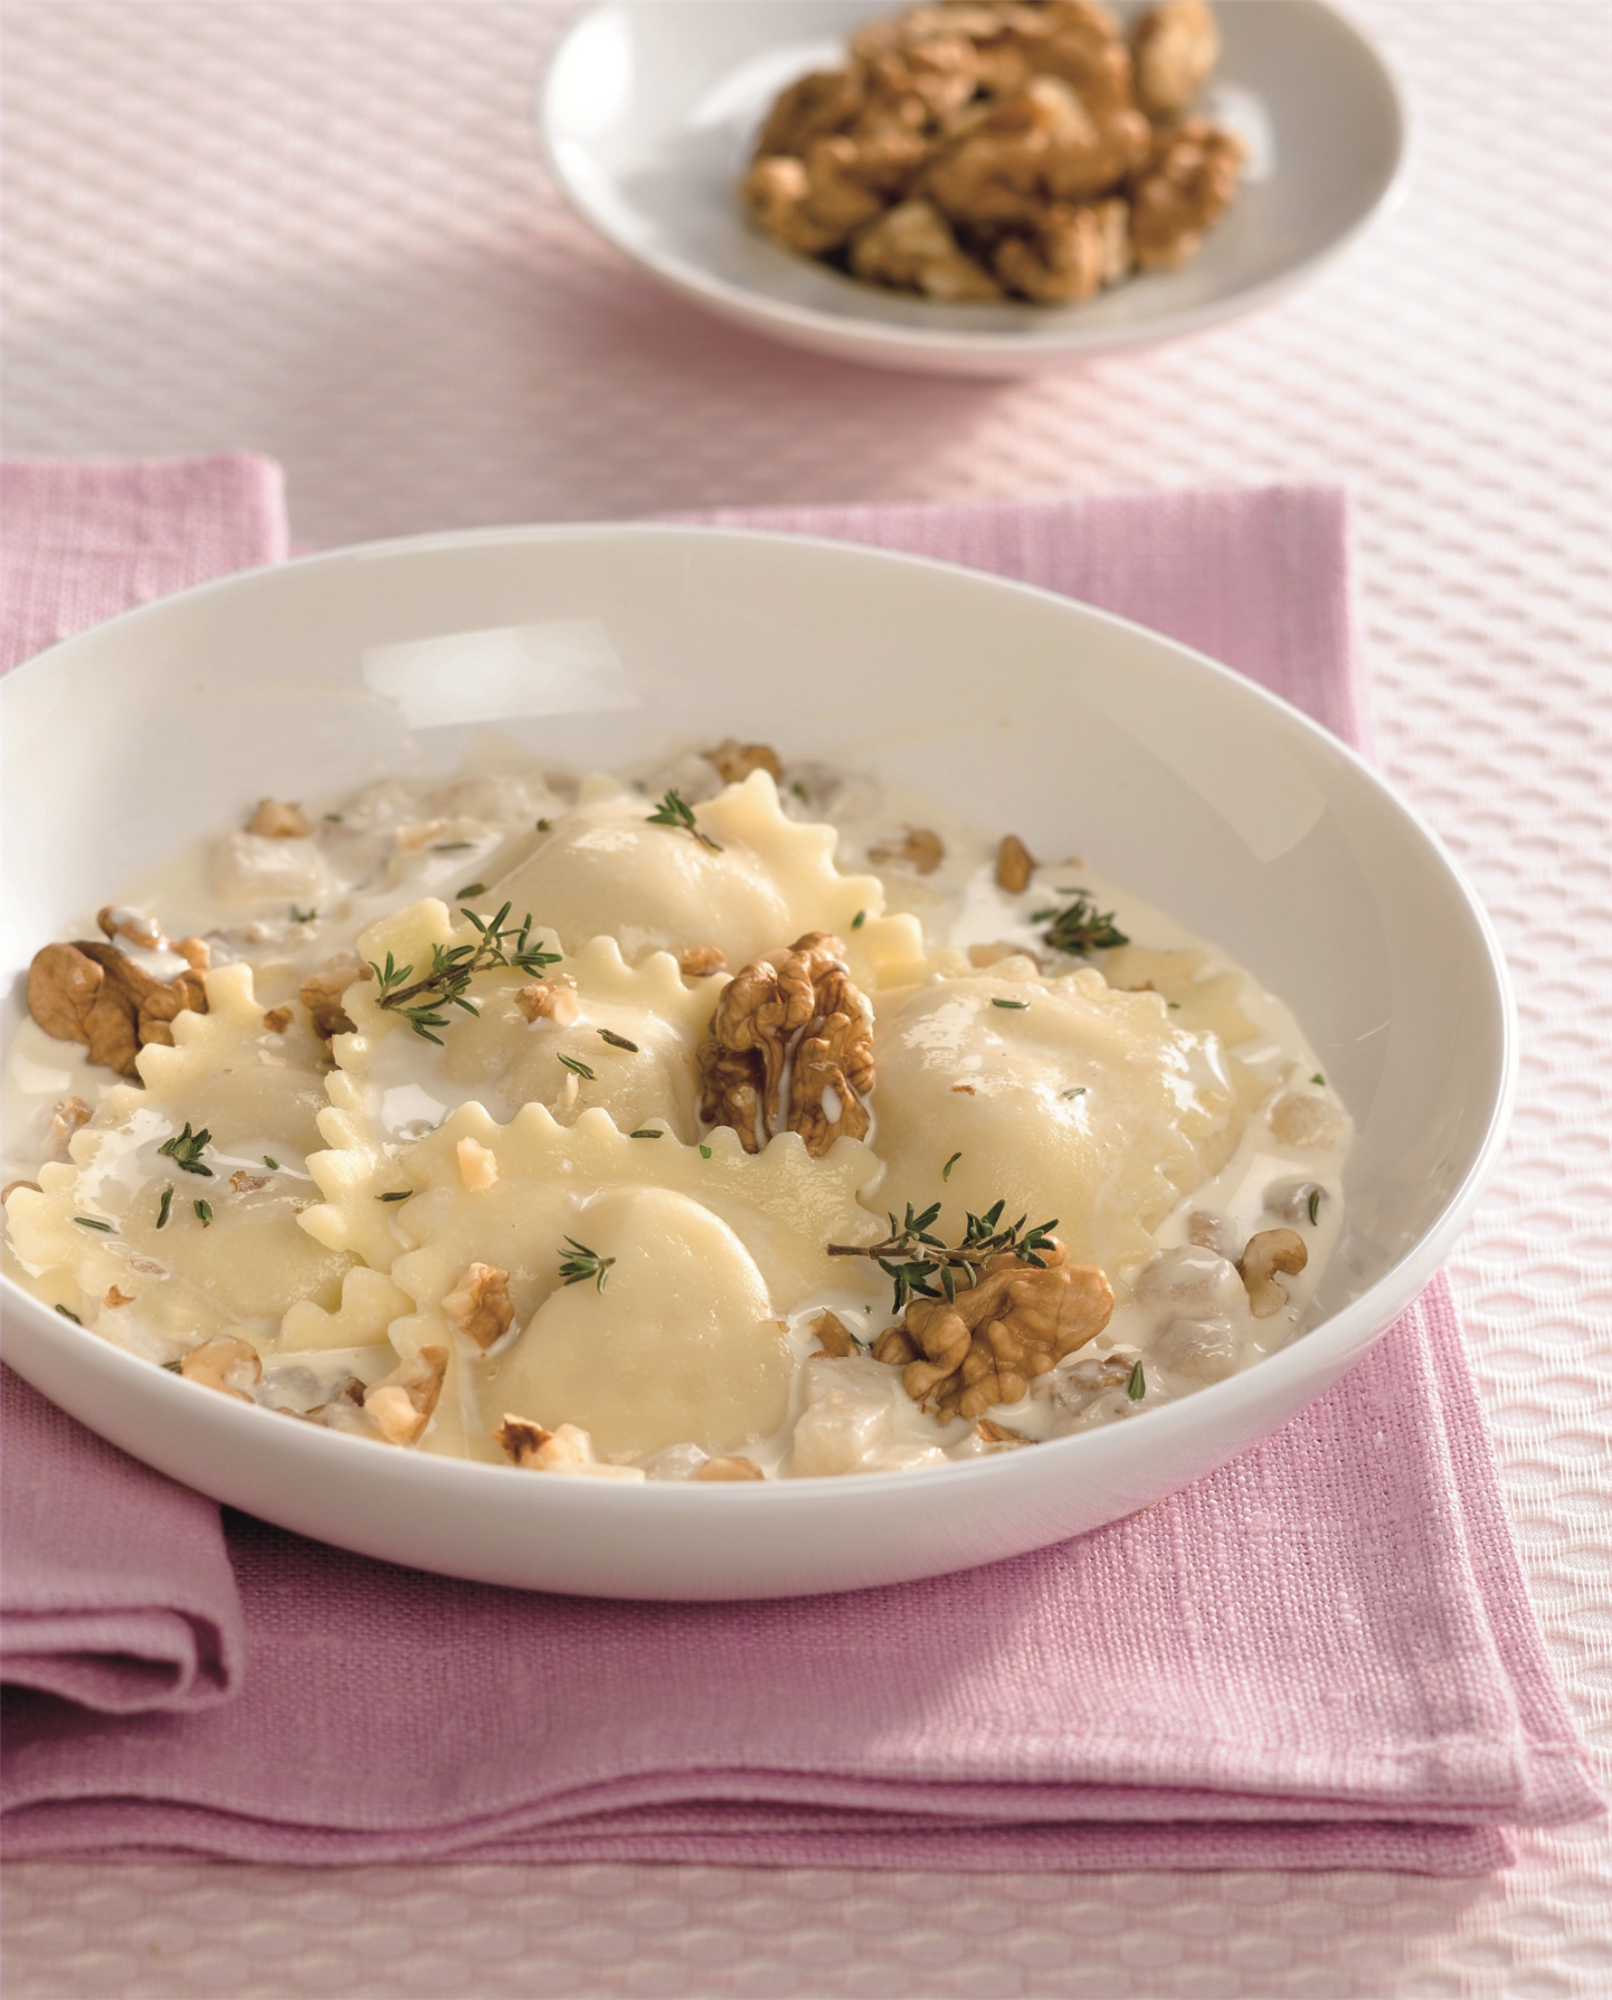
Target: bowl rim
x=880, y=340
x=1359, y=1324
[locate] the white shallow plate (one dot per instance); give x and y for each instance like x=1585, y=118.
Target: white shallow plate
x=1075, y=729
x=650, y=107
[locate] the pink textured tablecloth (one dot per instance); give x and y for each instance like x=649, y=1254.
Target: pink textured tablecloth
x=1322, y=1655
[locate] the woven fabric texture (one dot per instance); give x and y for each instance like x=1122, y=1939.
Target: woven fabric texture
x=318, y=230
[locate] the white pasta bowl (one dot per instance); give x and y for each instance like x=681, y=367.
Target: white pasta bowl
x=649, y=110
x=598, y=645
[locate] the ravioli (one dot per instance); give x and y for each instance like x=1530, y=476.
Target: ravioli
x=1062, y=1098
x=607, y=867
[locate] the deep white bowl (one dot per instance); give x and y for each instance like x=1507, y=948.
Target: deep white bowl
x=648, y=112
x=1078, y=730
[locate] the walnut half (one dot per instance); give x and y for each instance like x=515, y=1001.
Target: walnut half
x=93, y=993
x=790, y=1049
x=987, y=1345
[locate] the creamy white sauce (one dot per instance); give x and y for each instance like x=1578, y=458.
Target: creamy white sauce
x=289, y=907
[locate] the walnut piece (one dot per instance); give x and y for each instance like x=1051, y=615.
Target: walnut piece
x=1270, y=1251
x=242, y=1182
x=999, y=1437
x=700, y=961
x=1186, y=183
x=833, y=1335
x=1174, y=47
x=115, y=1298
x=1067, y=254
x=987, y=1345
x=93, y=993
x=479, y=1306
x=922, y=850
x=550, y=1000
x=799, y=1016
x=735, y=761
x=911, y=248
x=567, y=1448
x=279, y=819
x=118, y=921
x=1014, y=866
x=225, y=1363
x=278, y=1019
x=400, y=1404
x=66, y=1118
x=321, y=994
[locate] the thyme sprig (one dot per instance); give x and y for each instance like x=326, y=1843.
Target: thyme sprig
x=675, y=810
x=185, y=1150
x=1079, y=928
x=923, y=1267
x=584, y=1264
x=454, y=966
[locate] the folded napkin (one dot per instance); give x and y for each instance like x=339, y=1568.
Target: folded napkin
x=1322, y=1655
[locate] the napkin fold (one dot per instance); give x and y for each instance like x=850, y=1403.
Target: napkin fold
x=1322, y=1655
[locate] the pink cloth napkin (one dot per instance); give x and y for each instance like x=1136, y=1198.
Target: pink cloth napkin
x=1322, y=1655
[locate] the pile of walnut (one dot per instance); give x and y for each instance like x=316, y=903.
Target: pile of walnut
x=985, y=149
x=790, y=1049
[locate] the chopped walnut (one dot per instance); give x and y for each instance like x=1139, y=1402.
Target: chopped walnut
x=1268, y=1252
x=833, y=1335
x=959, y=1357
x=478, y=1165
x=1174, y=47
x=700, y=961
x=279, y=819
x=564, y=1449
x=1014, y=866
x=66, y=1118
x=717, y=1469
x=321, y=994
x=550, y=1000
x=242, y=1182
x=400, y=1404
x=735, y=761
x=93, y=993
x=225, y=1363
x=117, y=921
x=999, y=1437
x=479, y=1306
x=1300, y=1119
x=116, y=1298
x=922, y=850
x=277, y=1020
x=801, y=1018
x=1186, y=183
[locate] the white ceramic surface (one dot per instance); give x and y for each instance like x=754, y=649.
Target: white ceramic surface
x=649, y=108
x=1202, y=793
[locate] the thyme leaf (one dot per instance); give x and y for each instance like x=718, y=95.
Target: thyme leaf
x=617, y=1041
x=165, y=1206
x=1314, y=1205
x=396, y=1194
x=204, y=1212
x=859, y=920
x=675, y=810
x=1018, y=1006
x=576, y=1068
x=1136, y=1387
x=66, y=1313
x=94, y=1222
x=302, y=916
x=1320, y=1079
x=472, y=889
x=1079, y=928
x=922, y=1266
x=272, y=1165
x=454, y=966
x=584, y=1264
x=647, y=1132
x=185, y=1150
x=946, y=1171
x=1079, y=1090
x=705, y=1152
